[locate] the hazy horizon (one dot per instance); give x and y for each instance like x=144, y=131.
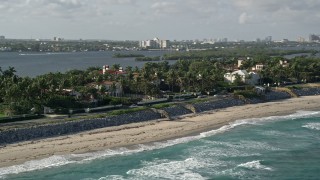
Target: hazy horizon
x=146, y=19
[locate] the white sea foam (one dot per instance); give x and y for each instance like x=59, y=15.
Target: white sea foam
x=55, y=161
x=255, y=165
x=242, y=144
x=112, y=177
x=235, y=173
x=313, y=126
x=275, y=133
x=169, y=170
x=260, y=121
x=230, y=149
x=154, y=162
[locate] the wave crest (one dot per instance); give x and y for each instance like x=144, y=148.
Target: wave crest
x=255, y=165
x=313, y=126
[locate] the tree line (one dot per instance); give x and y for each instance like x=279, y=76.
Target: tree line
x=22, y=95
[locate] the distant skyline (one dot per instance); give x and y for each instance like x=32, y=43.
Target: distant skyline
x=166, y=19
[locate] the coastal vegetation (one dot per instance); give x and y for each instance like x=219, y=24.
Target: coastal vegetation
x=201, y=72
x=120, y=55
x=156, y=58
x=125, y=111
x=257, y=53
x=65, y=45
x=162, y=105
x=249, y=93
x=138, y=57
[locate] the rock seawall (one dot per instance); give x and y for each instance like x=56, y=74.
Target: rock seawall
x=307, y=91
x=177, y=111
x=65, y=128
x=276, y=95
x=223, y=103
x=17, y=135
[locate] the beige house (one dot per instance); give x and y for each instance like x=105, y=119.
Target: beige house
x=258, y=67
x=248, y=78
x=240, y=61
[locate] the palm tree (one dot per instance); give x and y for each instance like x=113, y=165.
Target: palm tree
x=9, y=72
x=171, y=78
x=190, y=77
x=113, y=89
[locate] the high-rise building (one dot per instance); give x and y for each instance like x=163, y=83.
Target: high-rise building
x=57, y=39
x=268, y=39
x=155, y=43
x=314, y=38
x=164, y=44
x=224, y=40
x=2, y=37
x=301, y=39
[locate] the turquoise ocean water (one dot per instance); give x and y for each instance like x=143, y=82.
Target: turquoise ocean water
x=285, y=147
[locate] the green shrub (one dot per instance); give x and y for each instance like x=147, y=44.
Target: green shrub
x=295, y=87
x=247, y=93
x=115, y=101
x=59, y=101
x=160, y=106
x=125, y=111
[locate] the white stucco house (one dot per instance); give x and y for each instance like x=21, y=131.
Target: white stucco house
x=113, y=88
x=248, y=78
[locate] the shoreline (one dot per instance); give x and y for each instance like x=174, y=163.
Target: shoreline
x=147, y=132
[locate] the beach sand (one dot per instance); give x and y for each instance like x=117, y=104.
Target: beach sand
x=158, y=130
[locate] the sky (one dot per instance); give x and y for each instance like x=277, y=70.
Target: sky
x=166, y=19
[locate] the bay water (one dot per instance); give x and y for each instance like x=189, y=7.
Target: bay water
x=279, y=147
x=37, y=63
x=32, y=63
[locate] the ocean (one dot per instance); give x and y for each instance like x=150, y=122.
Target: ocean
x=33, y=64
x=279, y=147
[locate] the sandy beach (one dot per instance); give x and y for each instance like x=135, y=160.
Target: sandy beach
x=158, y=130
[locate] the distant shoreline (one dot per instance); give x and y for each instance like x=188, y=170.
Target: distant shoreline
x=149, y=131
